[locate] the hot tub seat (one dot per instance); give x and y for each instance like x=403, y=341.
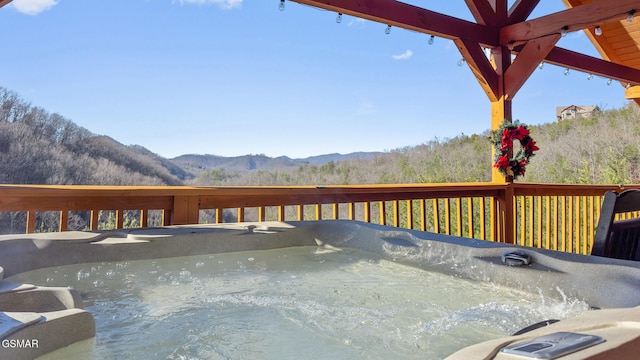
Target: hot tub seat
x=619, y=327
x=50, y=331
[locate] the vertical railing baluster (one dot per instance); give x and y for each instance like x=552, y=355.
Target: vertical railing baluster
x=423, y=214
x=470, y=223
x=436, y=216
x=31, y=221
x=366, y=212
x=64, y=220
x=144, y=218
x=396, y=213
x=447, y=216
x=482, y=218
x=547, y=219
x=458, y=216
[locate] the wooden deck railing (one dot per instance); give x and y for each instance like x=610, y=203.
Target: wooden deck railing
x=558, y=217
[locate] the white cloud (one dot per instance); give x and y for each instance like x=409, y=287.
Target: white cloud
x=225, y=4
x=357, y=22
x=405, y=55
x=33, y=7
x=365, y=108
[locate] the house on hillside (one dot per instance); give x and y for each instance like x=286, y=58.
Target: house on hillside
x=575, y=112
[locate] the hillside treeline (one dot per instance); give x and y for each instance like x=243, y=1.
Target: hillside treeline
x=37, y=147
x=601, y=149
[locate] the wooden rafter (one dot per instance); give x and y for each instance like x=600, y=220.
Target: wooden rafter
x=521, y=9
x=526, y=62
x=589, y=64
x=481, y=67
x=501, y=8
x=482, y=11
x=4, y=2
x=577, y=18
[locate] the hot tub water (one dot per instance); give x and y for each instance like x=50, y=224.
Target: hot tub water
x=292, y=303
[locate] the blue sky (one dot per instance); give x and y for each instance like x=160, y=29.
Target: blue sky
x=234, y=77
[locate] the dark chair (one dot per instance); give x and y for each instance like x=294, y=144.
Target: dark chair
x=618, y=239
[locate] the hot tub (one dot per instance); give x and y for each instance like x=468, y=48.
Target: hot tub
x=39, y=319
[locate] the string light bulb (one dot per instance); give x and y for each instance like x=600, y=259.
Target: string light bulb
x=590, y=76
x=630, y=16
x=461, y=62
x=628, y=86
x=541, y=65
x=431, y=39
x=281, y=5
x=563, y=31
x=388, y=30
x=609, y=82
x=339, y=18
x=598, y=31
x=566, y=72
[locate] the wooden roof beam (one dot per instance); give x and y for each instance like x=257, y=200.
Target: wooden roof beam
x=4, y=2
x=521, y=9
x=482, y=11
x=589, y=64
x=577, y=18
x=526, y=63
x=501, y=8
x=410, y=17
x=480, y=66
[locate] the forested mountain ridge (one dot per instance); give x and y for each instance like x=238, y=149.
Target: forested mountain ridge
x=37, y=147
x=197, y=163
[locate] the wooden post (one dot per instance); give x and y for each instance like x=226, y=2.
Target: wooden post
x=186, y=210
x=506, y=217
x=501, y=110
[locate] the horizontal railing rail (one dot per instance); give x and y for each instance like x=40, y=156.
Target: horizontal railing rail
x=558, y=217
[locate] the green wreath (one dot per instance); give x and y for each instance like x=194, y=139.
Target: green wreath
x=502, y=140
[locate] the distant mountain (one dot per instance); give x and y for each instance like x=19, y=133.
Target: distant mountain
x=195, y=163
x=335, y=157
